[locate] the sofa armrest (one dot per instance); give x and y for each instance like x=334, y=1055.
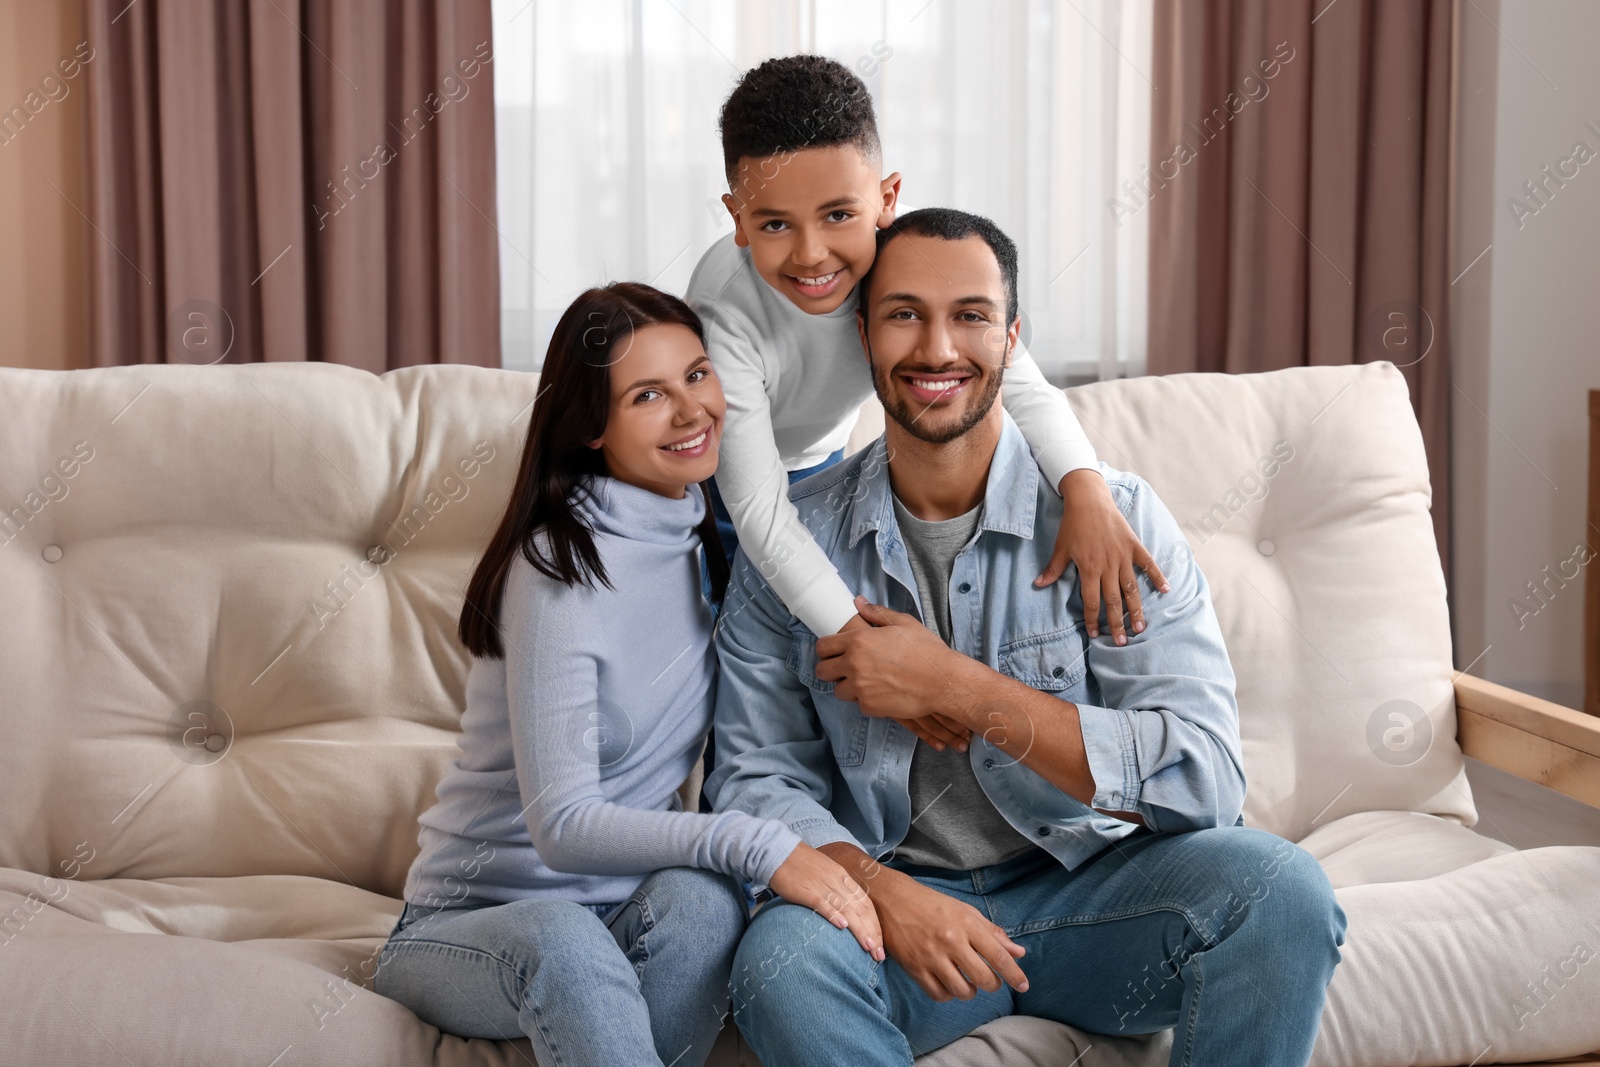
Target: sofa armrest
x=1534, y=739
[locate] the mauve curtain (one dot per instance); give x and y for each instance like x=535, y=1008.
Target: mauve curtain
x=293, y=180
x=1299, y=194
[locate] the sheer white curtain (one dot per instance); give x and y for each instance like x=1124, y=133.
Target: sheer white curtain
x=1032, y=112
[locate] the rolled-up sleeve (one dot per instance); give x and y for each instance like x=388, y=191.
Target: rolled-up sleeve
x=1165, y=744
x=773, y=759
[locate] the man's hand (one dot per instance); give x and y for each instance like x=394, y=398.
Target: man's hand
x=1094, y=535
x=894, y=667
x=945, y=945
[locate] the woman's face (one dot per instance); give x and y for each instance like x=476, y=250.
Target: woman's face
x=664, y=431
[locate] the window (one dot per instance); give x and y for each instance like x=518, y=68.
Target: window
x=1031, y=112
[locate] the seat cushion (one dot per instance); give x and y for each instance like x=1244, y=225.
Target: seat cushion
x=1021, y=1041
x=1396, y=846
x=1494, y=962
x=256, y=908
x=98, y=983
x=1493, y=958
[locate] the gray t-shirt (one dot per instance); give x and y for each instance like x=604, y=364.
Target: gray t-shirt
x=953, y=823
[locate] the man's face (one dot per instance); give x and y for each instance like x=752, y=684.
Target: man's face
x=935, y=333
x=810, y=219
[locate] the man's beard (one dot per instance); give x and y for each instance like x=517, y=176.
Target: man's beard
x=909, y=419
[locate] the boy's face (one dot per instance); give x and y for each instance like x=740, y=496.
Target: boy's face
x=809, y=218
x=935, y=334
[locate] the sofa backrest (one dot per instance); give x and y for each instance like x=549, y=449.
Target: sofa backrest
x=229, y=645
x=1304, y=495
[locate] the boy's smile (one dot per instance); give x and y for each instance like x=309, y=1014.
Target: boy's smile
x=819, y=286
x=809, y=218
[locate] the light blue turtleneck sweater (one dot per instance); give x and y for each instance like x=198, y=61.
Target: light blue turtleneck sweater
x=572, y=748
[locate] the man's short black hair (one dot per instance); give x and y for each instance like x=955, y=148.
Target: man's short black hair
x=795, y=102
x=948, y=224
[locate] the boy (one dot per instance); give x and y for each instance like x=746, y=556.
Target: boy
x=778, y=300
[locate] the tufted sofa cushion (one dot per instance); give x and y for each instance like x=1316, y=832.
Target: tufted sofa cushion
x=229, y=648
x=1304, y=495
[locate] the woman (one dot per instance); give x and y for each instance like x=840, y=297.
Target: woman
x=561, y=892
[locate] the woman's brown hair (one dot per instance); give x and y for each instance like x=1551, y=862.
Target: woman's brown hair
x=571, y=409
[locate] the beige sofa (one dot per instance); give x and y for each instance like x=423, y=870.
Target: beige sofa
x=229, y=683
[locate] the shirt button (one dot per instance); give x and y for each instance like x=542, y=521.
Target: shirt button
x=965, y=587
x=1059, y=671
x=988, y=764
x=1044, y=831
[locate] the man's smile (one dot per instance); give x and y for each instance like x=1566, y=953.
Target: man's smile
x=931, y=388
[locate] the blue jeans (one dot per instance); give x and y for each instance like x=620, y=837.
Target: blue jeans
x=1228, y=934
x=643, y=981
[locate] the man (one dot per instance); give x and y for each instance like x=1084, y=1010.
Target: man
x=1078, y=851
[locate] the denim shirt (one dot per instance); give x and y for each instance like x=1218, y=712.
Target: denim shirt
x=1159, y=719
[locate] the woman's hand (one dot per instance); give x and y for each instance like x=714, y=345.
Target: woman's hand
x=1094, y=535
x=811, y=879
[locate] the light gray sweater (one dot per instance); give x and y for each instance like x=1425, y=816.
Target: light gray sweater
x=573, y=746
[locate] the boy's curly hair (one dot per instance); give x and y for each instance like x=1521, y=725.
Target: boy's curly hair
x=795, y=102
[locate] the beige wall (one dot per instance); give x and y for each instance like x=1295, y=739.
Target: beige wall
x=43, y=298
x=1527, y=340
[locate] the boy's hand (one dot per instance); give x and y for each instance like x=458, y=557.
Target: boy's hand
x=938, y=731
x=1094, y=535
